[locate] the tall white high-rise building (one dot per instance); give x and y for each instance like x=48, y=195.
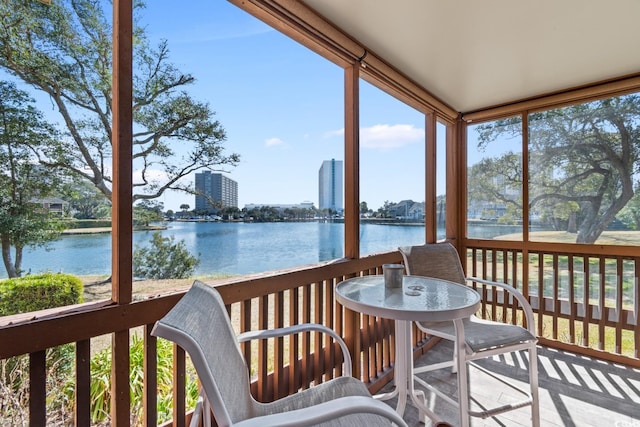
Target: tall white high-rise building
x=215, y=191
x=330, y=186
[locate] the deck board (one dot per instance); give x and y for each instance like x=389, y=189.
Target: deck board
x=575, y=391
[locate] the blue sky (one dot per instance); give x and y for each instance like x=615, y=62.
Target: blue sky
x=282, y=107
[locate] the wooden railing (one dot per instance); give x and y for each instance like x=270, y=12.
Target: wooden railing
x=584, y=301
x=275, y=299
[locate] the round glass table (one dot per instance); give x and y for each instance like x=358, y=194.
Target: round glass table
x=423, y=299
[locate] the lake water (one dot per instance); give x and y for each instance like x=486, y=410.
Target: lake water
x=235, y=248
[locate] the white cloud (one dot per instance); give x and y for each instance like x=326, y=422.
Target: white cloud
x=385, y=137
x=273, y=141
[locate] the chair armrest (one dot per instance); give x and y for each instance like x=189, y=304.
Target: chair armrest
x=295, y=329
x=524, y=303
x=326, y=411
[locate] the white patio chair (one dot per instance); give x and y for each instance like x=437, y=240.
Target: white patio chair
x=483, y=338
x=200, y=325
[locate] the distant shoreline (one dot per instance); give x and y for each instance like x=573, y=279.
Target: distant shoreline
x=103, y=230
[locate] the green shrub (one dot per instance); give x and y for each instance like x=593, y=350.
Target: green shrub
x=25, y=294
x=101, y=385
x=163, y=259
x=39, y=292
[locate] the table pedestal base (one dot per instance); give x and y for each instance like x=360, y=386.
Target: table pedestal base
x=404, y=376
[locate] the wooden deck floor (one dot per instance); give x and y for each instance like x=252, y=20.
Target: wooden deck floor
x=575, y=391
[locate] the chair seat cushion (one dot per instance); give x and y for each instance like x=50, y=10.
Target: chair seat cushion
x=324, y=392
x=481, y=334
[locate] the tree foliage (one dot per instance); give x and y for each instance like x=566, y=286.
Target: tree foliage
x=64, y=49
x=146, y=212
x=85, y=200
x=23, y=220
x=163, y=259
x=630, y=214
x=585, y=156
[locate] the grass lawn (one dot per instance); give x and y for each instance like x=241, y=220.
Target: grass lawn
x=623, y=238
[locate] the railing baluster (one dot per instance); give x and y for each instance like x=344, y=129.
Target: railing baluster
x=368, y=373
x=150, y=386
x=379, y=346
x=179, y=403
x=505, y=279
x=588, y=313
x=317, y=346
x=339, y=323
x=82, y=416
x=541, y=301
x=572, y=299
x=294, y=341
x=37, y=389
x=279, y=383
x=263, y=323
x=484, y=288
x=556, y=297
x=245, y=326
x=619, y=308
x=602, y=305
x=328, y=321
x=494, y=291
x=307, y=365
x=120, y=394
x=353, y=337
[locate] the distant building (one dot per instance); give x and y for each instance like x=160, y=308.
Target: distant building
x=330, y=185
x=280, y=206
x=407, y=210
x=215, y=191
x=53, y=205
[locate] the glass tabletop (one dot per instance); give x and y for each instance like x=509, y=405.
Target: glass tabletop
x=419, y=299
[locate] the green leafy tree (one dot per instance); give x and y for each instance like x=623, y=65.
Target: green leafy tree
x=63, y=49
x=143, y=216
x=630, y=214
x=385, y=210
x=86, y=201
x=364, y=208
x=163, y=259
x=586, y=154
x=230, y=212
x=498, y=181
x=23, y=221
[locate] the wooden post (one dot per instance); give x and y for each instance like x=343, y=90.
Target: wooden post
x=430, y=177
x=352, y=162
x=122, y=199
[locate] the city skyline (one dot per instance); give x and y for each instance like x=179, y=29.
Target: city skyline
x=282, y=107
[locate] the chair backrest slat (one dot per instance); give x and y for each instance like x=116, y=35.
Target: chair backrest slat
x=438, y=260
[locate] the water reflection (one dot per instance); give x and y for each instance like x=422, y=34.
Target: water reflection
x=236, y=248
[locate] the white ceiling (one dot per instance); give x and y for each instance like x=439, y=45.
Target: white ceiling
x=480, y=53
